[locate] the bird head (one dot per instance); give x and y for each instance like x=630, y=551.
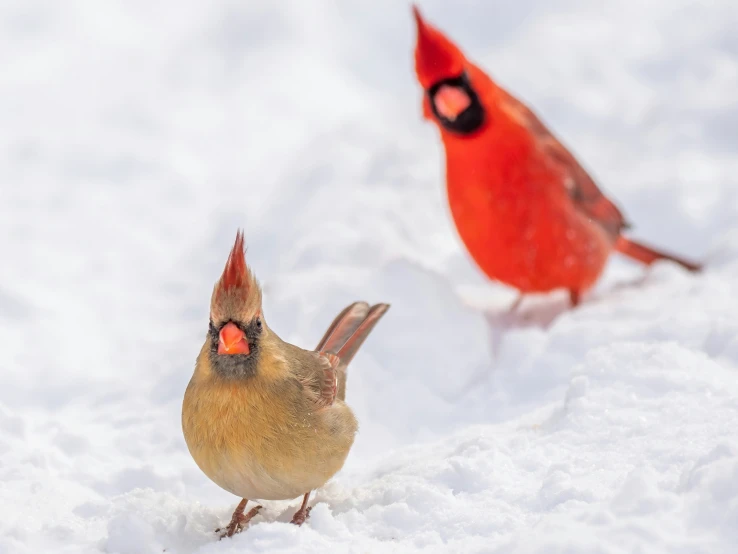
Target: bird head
x=236, y=322
x=445, y=75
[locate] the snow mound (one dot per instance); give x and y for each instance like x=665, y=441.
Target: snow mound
x=138, y=137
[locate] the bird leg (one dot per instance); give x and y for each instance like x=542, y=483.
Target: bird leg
x=515, y=305
x=238, y=520
x=574, y=297
x=303, y=513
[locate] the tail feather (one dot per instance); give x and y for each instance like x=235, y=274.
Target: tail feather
x=342, y=327
x=347, y=333
x=357, y=338
x=648, y=255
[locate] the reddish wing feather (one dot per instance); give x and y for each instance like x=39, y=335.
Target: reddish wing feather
x=585, y=194
x=329, y=383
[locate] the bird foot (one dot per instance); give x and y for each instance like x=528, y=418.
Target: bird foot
x=238, y=521
x=301, y=515
x=515, y=315
x=516, y=305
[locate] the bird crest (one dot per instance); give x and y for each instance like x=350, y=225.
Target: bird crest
x=436, y=57
x=237, y=294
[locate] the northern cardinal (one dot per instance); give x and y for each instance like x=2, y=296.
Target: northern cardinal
x=527, y=212
x=262, y=418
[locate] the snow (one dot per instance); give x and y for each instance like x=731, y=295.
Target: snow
x=138, y=136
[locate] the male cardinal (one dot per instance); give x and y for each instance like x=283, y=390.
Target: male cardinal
x=262, y=418
x=528, y=213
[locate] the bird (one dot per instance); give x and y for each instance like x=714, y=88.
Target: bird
x=526, y=210
x=262, y=418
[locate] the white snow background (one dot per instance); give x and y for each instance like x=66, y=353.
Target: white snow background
x=137, y=136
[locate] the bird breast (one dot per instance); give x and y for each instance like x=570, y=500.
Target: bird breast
x=262, y=441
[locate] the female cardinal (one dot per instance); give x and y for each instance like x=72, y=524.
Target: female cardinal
x=528, y=213
x=262, y=418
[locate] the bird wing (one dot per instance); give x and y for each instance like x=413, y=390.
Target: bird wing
x=317, y=373
x=322, y=372
x=581, y=188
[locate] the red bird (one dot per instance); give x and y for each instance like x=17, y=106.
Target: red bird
x=528, y=213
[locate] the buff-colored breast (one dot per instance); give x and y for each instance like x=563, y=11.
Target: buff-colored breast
x=263, y=438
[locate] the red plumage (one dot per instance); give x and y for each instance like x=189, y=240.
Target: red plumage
x=526, y=210
x=236, y=274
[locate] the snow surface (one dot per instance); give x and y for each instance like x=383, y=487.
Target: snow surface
x=137, y=136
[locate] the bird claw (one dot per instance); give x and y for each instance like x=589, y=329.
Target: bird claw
x=301, y=516
x=238, y=521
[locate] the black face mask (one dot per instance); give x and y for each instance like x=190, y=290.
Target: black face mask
x=468, y=121
x=236, y=366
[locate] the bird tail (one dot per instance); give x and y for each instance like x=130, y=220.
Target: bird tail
x=347, y=333
x=349, y=330
x=647, y=255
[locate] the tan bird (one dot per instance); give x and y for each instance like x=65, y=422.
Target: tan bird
x=262, y=418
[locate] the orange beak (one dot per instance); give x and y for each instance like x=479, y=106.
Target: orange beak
x=451, y=102
x=232, y=340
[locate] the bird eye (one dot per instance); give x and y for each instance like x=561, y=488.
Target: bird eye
x=258, y=322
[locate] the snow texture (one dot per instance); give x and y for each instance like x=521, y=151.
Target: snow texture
x=138, y=136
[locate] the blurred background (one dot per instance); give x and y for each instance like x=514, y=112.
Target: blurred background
x=136, y=137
